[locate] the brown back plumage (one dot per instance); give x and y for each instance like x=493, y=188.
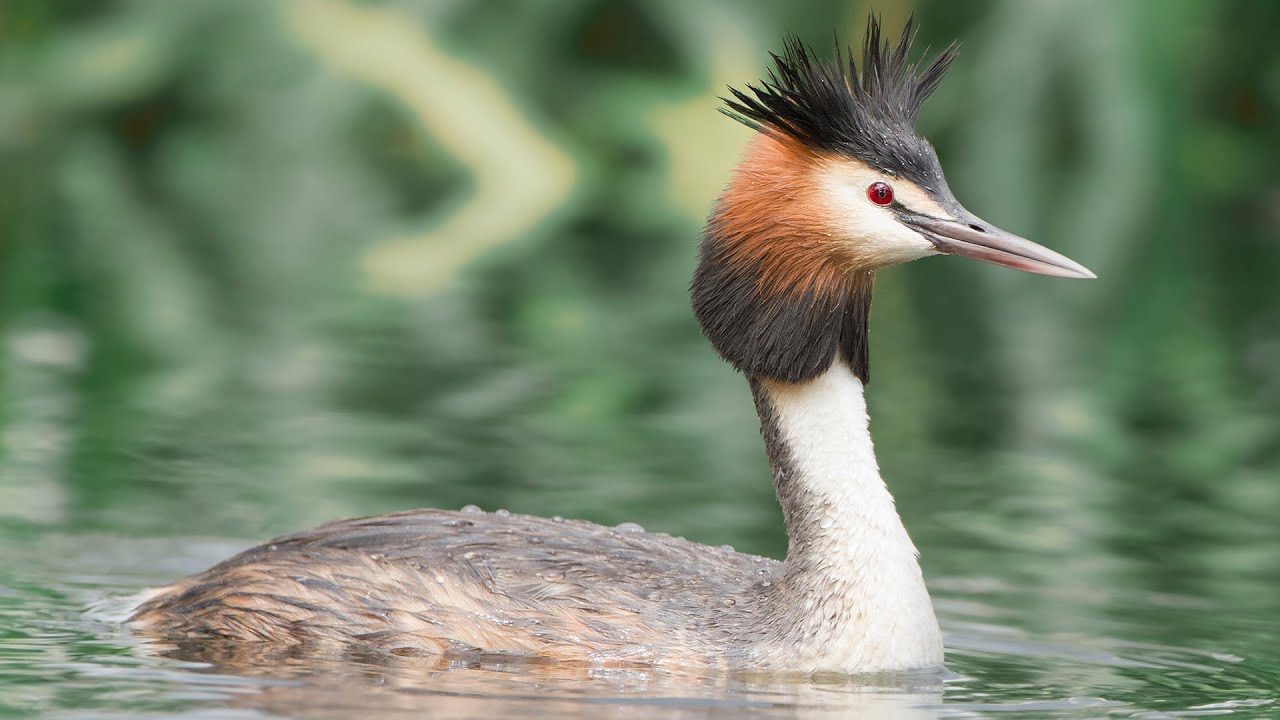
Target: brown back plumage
x=436, y=582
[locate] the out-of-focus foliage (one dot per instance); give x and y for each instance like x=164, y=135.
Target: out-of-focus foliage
x=264, y=263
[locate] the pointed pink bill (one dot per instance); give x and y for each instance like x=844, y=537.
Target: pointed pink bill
x=973, y=238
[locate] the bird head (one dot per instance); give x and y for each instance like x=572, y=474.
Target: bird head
x=836, y=185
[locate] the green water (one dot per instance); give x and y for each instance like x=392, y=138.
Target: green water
x=264, y=264
x=1054, y=603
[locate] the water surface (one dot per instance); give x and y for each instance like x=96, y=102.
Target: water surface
x=1024, y=640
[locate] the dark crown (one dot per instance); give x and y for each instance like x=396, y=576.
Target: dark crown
x=831, y=107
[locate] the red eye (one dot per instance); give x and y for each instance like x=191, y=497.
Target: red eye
x=880, y=193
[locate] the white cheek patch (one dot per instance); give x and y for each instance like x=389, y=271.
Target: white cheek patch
x=873, y=230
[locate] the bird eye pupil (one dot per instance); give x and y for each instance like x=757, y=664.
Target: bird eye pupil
x=880, y=193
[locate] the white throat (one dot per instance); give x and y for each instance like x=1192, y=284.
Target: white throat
x=852, y=598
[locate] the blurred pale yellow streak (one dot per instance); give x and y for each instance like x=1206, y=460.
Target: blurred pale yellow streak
x=520, y=176
x=702, y=144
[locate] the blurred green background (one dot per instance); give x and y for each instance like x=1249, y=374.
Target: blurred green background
x=263, y=264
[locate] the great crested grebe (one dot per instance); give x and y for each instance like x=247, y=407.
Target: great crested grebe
x=834, y=186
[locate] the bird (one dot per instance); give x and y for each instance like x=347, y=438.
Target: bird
x=835, y=185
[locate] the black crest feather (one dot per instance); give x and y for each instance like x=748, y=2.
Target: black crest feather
x=832, y=106
x=829, y=107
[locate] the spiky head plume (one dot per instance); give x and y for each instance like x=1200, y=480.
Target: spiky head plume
x=829, y=106
x=778, y=291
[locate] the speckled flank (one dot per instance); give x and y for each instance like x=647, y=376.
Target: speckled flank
x=435, y=582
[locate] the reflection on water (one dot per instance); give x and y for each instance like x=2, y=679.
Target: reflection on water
x=312, y=685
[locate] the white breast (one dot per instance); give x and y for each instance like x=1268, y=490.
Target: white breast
x=858, y=599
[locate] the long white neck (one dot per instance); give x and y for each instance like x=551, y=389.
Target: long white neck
x=852, y=597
